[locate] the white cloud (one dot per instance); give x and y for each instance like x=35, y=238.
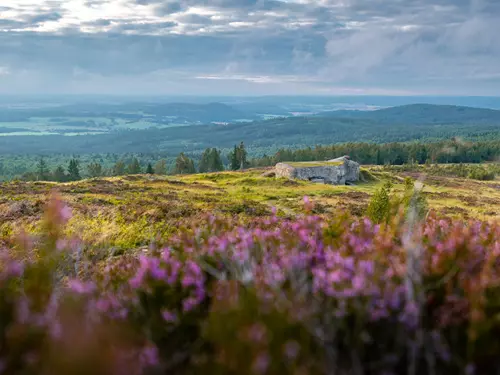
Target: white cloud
x=318, y=45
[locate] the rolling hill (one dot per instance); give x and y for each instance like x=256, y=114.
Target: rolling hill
x=399, y=124
x=422, y=114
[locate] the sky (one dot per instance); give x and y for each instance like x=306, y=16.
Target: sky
x=250, y=47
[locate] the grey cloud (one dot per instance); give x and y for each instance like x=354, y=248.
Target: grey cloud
x=44, y=17
x=433, y=44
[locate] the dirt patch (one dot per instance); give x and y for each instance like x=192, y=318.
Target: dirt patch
x=355, y=195
x=269, y=174
x=443, y=195
x=455, y=211
x=21, y=209
x=290, y=183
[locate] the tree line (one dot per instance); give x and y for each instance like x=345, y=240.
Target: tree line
x=210, y=161
x=444, y=152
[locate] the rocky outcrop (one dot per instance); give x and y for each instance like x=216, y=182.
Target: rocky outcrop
x=338, y=171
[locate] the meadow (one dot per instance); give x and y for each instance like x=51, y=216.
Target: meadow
x=124, y=213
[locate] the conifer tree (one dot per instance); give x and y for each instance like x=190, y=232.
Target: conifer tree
x=204, y=165
x=59, y=174
x=149, y=169
x=74, y=170
x=134, y=167
x=161, y=167
x=233, y=158
x=119, y=168
x=95, y=170
x=238, y=158
x=42, y=170
x=379, y=208
x=216, y=161
x=184, y=165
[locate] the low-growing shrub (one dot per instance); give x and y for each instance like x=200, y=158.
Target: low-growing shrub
x=302, y=295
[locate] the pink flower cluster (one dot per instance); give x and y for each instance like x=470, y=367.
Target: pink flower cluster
x=308, y=295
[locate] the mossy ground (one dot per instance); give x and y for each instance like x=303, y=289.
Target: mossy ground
x=122, y=213
x=309, y=164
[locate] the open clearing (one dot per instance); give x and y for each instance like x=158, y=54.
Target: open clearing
x=129, y=212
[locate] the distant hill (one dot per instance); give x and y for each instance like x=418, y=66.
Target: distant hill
x=264, y=136
x=185, y=112
x=422, y=114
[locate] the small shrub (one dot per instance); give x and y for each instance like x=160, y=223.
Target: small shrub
x=379, y=208
x=481, y=173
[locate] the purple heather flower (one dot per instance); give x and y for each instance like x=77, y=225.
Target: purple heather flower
x=257, y=333
x=261, y=363
x=358, y=283
x=367, y=266
x=149, y=356
x=169, y=316
x=291, y=349
x=66, y=213
x=80, y=287
x=470, y=369
x=189, y=304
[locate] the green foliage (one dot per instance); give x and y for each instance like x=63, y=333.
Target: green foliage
x=74, y=170
x=134, y=167
x=379, y=208
x=210, y=161
x=42, y=170
x=184, y=165
x=119, y=168
x=480, y=173
x=410, y=154
x=95, y=170
x=161, y=167
x=59, y=174
x=149, y=169
x=238, y=158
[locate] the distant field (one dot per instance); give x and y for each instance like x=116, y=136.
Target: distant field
x=79, y=125
x=130, y=212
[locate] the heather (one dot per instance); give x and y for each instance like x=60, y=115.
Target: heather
x=301, y=294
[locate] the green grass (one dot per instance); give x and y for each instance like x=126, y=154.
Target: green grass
x=309, y=164
x=122, y=213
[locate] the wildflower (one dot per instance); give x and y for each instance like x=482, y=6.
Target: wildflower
x=261, y=363
x=257, y=333
x=149, y=356
x=80, y=287
x=291, y=349
x=169, y=316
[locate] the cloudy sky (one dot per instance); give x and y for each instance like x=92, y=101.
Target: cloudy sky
x=250, y=46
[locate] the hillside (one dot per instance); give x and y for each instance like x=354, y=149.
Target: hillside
x=423, y=114
x=265, y=136
x=128, y=212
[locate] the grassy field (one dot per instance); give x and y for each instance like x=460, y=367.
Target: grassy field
x=123, y=213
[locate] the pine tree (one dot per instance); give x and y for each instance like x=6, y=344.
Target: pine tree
x=134, y=167
x=242, y=156
x=233, y=159
x=59, y=174
x=119, y=168
x=95, y=170
x=204, y=165
x=42, y=170
x=184, y=165
x=379, y=208
x=149, y=169
x=216, y=164
x=74, y=170
x=238, y=158
x=161, y=167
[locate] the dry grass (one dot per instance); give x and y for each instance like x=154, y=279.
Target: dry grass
x=129, y=212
